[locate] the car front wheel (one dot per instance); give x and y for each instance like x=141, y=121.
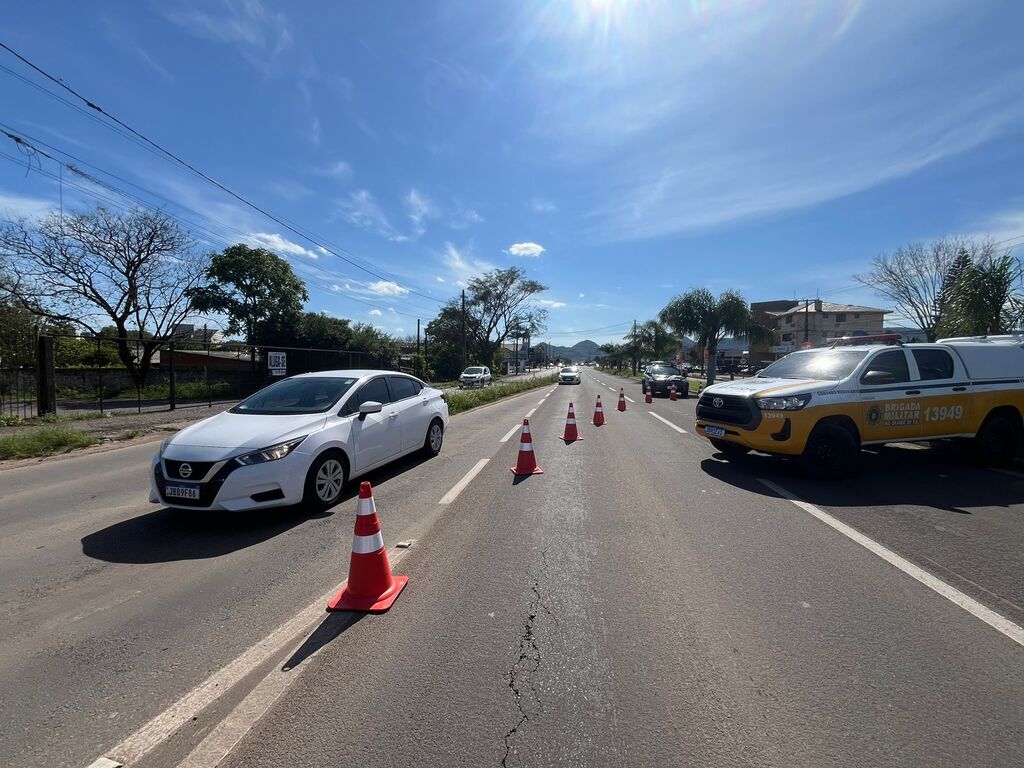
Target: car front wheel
x=325, y=481
x=831, y=452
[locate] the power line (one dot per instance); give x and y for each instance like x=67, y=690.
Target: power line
x=349, y=257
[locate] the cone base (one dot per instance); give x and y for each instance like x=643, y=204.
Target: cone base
x=517, y=473
x=565, y=439
x=345, y=601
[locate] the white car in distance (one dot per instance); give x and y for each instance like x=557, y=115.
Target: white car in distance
x=570, y=375
x=299, y=440
x=475, y=376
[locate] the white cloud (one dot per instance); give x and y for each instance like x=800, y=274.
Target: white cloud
x=362, y=209
x=462, y=264
x=259, y=34
x=375, y=313
x=421, y=208
x=314, y=131
x=526, y=250
x=537, y=205
x=439, y=279
x=386, y=288
x=1006, y=224
x=339, y=169
x=279, y=245
x=464, y=217
x=552, y=304
x=17, y=206
x=579, y=295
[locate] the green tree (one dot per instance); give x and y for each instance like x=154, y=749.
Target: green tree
x=499, y=304
x=985, y=298
x=257, y=290
x=709, y=320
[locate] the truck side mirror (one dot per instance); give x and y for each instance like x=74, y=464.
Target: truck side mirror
x=878, y=377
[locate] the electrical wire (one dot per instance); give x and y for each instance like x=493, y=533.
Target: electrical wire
x=341, y=253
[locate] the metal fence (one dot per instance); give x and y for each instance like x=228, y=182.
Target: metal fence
x=89, y=373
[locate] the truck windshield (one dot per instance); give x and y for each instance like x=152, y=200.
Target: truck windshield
x=815, y=364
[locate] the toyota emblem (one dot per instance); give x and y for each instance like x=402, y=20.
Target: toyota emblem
x=185, y=470
x=717, y=402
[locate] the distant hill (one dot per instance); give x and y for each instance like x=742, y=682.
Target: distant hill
x=580, y=352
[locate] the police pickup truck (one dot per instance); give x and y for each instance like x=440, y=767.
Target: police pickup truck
x=821, y=405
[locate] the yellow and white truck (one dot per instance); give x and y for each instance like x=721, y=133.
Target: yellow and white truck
x=822, y=405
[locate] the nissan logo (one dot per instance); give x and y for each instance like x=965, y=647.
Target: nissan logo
x=717, y=402
x=185, y=470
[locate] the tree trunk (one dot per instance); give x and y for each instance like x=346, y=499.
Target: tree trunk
x=712, y=362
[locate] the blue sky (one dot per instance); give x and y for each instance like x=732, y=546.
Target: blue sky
x=620, y=150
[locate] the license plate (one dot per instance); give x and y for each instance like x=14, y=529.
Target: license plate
x=182, y=492
x=714, y=431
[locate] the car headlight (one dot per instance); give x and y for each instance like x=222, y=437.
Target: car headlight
x=164, y=444
x=273, y=453
x=794, y=403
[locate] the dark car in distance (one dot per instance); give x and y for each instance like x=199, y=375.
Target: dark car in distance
x=660, y=378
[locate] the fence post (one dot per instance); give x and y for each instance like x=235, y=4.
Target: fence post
x=46, y=385
x=99, y=372
x=174, y=384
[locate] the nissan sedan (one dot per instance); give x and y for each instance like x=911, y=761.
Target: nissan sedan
x=300, y=440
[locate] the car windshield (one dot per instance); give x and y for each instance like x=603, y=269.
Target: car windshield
x=473, y=371
x=664, y=370
x=568, y=370
x=815, y=364
x=301, y=395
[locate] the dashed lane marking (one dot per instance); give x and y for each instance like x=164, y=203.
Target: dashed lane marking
x=995, y=620
x=629, y=399
x=678, y=429
x=453, y=494
x=508, y=435
x=530, y=413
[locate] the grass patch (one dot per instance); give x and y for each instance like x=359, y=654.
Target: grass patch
x=59, y=418
x=465, y=399
x=43, y=442
x=10, y=421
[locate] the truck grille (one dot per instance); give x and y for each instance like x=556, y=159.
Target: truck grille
x=732, y=410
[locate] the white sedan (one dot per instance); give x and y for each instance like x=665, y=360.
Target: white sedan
x=299, y=440
x=570, y=375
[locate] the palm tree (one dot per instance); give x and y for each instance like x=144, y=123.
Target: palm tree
x=709, y=320
x=656, y=341
x=984, y=298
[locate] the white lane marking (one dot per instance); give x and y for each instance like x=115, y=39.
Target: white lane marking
x=151, y=735
x=996, y=621
x=630, y=399
x=458, y=488
x=530, y=413
x=612, y=388
x=541, y=401
x=103, y=762
x=680, y=430
x=511, y=432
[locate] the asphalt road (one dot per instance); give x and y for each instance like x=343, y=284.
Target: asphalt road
x=643, y=602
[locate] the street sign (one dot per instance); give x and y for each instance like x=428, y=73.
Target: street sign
x=779, y=349
x=277, y=362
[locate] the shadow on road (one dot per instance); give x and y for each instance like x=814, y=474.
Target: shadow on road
x=331, y=627
x=167, y=535
x=937, y=477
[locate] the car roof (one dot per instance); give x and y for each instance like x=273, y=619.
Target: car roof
x=355, y=373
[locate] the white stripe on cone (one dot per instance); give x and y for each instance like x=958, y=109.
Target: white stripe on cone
x=526, y=447
x=366, y=507
x=365, y=545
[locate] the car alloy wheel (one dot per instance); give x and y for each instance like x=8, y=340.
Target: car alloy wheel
x=329, y=480
x=436, y=436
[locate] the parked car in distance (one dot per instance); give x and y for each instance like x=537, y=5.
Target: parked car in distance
x=475, y=376
x=299, y=440
x=659, y=379
x=570, y=375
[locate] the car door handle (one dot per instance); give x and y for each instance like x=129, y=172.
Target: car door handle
x=393, y=415
x=912, y=392
x=959, y=389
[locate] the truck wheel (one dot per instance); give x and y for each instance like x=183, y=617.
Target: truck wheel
x=997, y=442
x=831, y=452
x=729, y=449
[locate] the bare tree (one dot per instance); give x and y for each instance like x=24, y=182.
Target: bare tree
x=499, y=305
x=133, y=269
x=915, y=277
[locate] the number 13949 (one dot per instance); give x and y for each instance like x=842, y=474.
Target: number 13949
x=944, y=413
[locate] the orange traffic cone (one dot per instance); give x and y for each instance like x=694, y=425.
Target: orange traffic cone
x=672, y=392
x=571, y=435
x=527, y=464
x=598, y=413
x=622, y=399
x=371, y=588
x=649, y=396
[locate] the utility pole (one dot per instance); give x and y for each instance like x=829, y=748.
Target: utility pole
x=807, y=318
x=418, y=346
x=463, y=329
x=633, y=347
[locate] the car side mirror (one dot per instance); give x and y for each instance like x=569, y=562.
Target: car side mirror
x=370, y=406
x=878, y=377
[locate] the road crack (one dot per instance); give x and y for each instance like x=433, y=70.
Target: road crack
x=520, y=675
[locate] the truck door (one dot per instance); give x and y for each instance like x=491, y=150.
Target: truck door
x=945, y=401
x=890, y=401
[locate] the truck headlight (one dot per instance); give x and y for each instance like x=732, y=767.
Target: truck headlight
x=794, y=403
x=273, y=453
